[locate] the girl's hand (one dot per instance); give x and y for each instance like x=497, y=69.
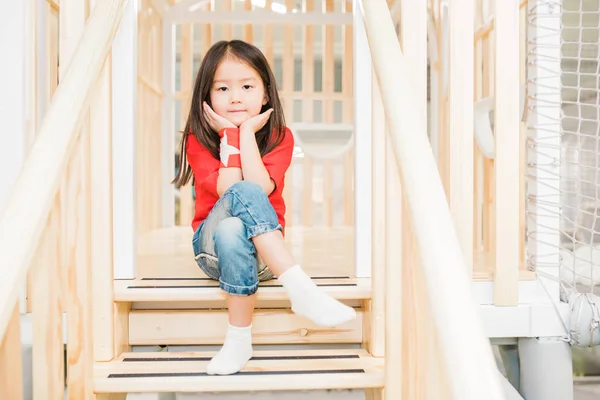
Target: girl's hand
x=254, y=124
x=215, y=121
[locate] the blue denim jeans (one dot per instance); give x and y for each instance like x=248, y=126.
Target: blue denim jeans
x=222, y=243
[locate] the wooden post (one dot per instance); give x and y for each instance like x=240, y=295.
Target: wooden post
x=186, y=207
x=379, y=221
x=394, y=334
x=101, y=219
x=12, y=112
x=460, y=113
x=47, y=308
x=11, y=364
x=507, y=146
x=470, y=366
x=363, y=160
x=168, y=125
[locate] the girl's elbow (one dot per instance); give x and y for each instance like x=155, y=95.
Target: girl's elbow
x=269, y=187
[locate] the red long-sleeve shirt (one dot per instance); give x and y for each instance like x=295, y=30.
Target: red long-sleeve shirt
x=206, y=172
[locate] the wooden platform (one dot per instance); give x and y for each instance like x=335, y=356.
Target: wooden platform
x=206, y=289
x=322, y=252
x=267, y=370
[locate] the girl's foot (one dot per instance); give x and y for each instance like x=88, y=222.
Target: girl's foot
x=311, y=302
x=234, y=354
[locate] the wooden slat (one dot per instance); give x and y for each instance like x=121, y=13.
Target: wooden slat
x=47, y=324
x=101, y=222
x=269, y=39
x=78, y=284
x=507, y=144
x=11, y=363
x=471, y=368
x=393, y=285
x=186, y=207
x=328, y=57
x=40, y=179
x=52, y=49
x=415, y=315
x=307, y=190
x=149, y=119
x=461, y=123
x=348, y=193
x=121, y=328
x=288, y=65
x=379, y=220
x=227, y=27
x=204, y=289
x=328, y=192
x=269, y=326
x=274, y=370
x=72, y=17
x=308, y=66
x=248, y=34
x=477, y=156
x=348, y=68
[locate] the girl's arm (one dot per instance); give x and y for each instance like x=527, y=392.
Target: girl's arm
x=227, y=177
x=253, y=168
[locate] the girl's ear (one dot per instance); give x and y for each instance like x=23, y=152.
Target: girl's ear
x=265, y=100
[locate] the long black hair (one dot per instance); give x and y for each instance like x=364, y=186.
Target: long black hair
x=269, y=137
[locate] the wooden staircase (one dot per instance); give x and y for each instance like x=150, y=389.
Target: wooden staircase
x=65, y=256
x=266, y=371
x=191, y=311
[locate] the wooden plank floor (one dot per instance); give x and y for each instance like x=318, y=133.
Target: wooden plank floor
x=267, y=370
x=321, y=251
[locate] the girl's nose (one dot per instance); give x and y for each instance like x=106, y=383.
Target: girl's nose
x=235, y=96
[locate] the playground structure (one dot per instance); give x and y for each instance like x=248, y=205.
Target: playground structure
x=444, y=184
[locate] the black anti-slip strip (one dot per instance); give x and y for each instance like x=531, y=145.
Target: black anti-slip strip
x=175, y=279
x=216, y=286
x=208, y=279
x=183, y=374
x=264, y=358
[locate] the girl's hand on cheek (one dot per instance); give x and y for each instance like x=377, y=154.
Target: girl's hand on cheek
x=254, y=124
x=215, y=121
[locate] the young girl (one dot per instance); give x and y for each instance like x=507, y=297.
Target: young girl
x=238, y=149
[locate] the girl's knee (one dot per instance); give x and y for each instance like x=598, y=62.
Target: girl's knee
x=230, y=230
x=246, y=188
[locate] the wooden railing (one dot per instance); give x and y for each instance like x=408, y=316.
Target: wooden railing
x=435, y=346
x=57, y=224
x=481, y=55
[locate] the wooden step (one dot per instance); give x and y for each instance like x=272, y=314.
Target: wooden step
x=208, y=327
x=267, y=370
x=206, y=289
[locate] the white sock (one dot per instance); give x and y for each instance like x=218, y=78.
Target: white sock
x=311, y=302
x=234, y=354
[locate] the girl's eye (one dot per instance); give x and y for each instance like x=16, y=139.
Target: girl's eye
x=222, y=88
x=247, y=87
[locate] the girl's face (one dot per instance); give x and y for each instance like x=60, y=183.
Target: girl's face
x=237, y=92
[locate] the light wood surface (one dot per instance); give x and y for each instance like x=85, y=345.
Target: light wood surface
x=207, y=327
x=465, y=352
x=206, y=289
x=268, y=370
x=322, y=251
x=11, y=380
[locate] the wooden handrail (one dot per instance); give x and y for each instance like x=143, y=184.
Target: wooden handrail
x=466, y=352
x=24, y=217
